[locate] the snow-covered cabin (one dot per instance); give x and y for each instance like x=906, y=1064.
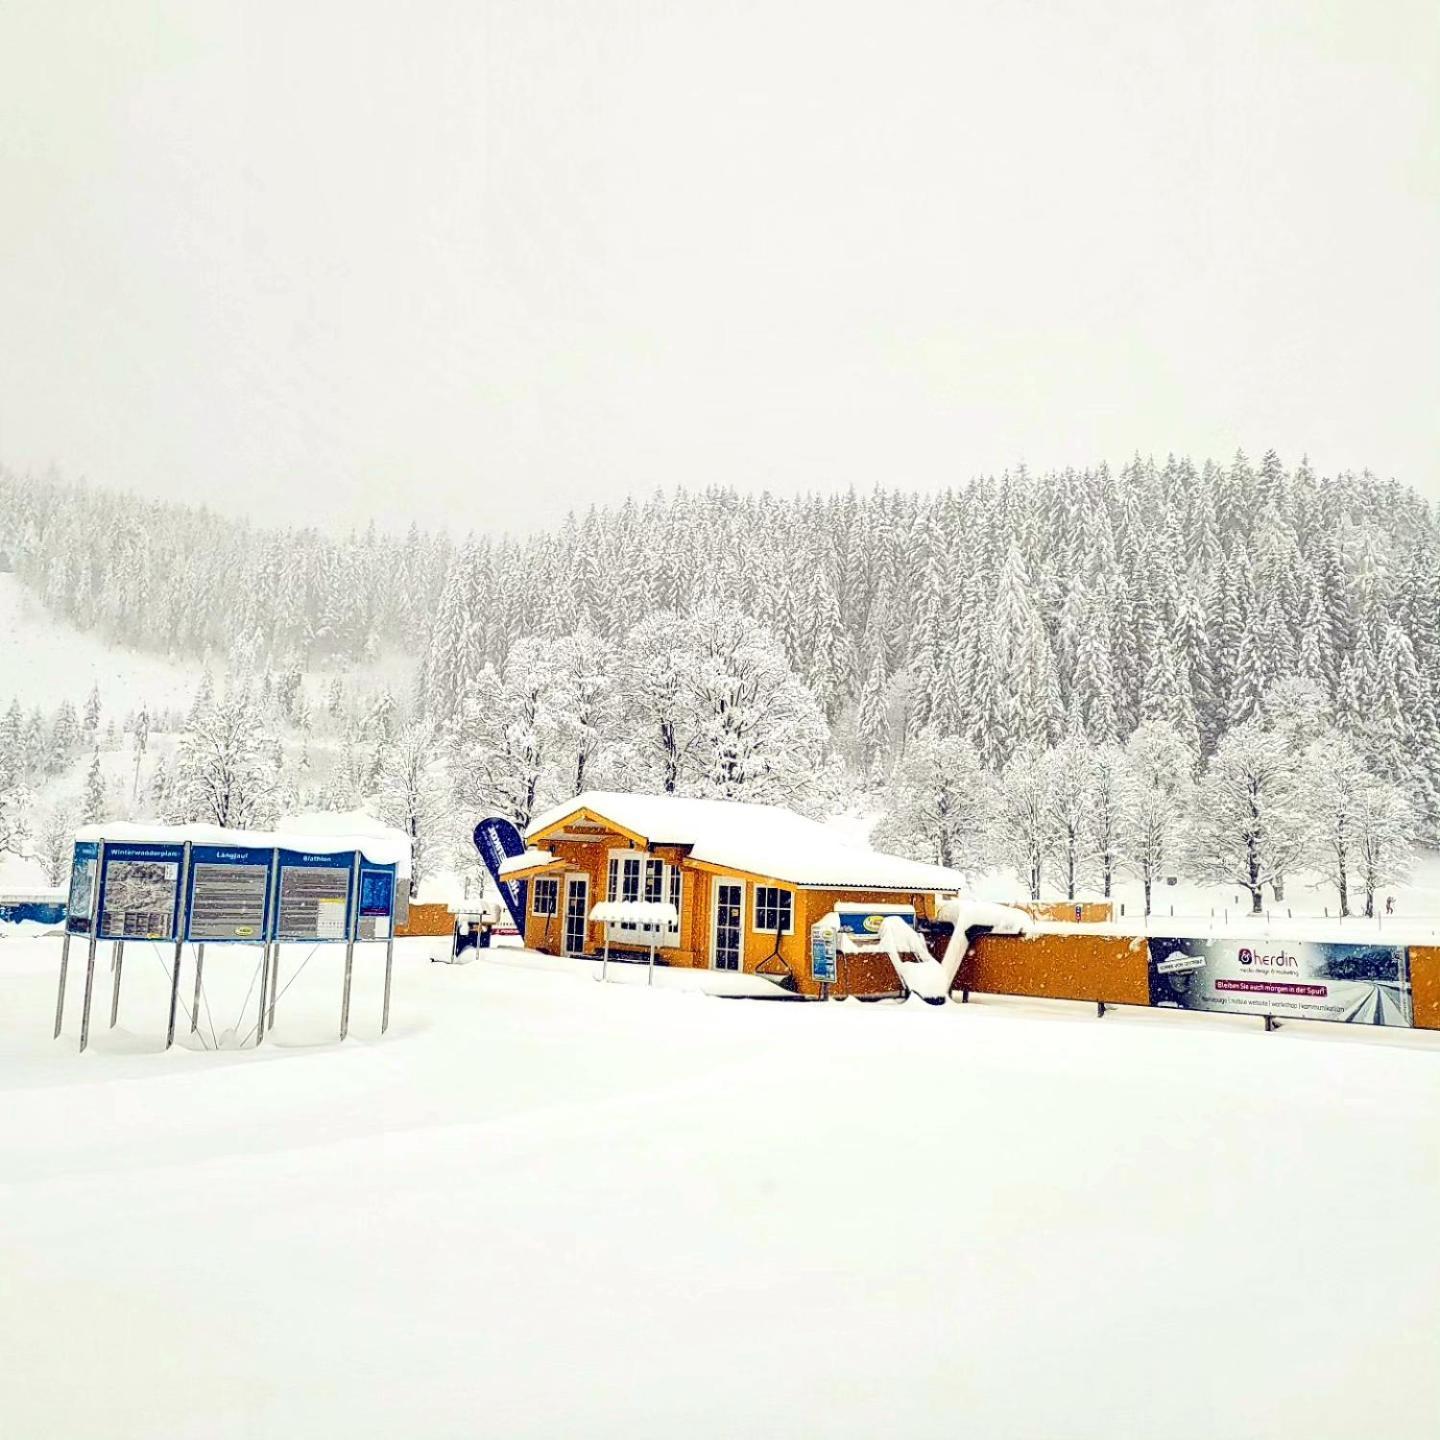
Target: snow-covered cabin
x=746, y=881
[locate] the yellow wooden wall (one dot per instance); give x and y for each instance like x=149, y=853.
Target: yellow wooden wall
x=1066, y=966
x=1425, y=985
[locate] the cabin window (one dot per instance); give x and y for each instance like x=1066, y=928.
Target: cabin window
x=774, y=910
x=545, y=897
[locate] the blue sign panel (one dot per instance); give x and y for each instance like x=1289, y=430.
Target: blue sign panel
x=498, y=840
x=377, y=900
x=82, y=887
x=229, y=894
x=140, y=892
x=315, y=897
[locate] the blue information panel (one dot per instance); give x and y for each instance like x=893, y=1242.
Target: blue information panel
x=140, y=892
x=377, y=900
x=83, y=868
x=822, y=956
x=315, y=895
x=229, y=894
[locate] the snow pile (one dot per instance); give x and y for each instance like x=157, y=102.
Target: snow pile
x=461, y=1220
x=761, y=839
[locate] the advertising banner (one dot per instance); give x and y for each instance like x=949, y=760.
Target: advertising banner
x=1294, y=979
x=82, y=887
x=314, y=895
x=498, y=840
x=140, y=892
x=230, y=889
x=377, y=900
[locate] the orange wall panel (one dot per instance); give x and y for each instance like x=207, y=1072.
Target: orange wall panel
x=1113, y=968
x=427, y=919
x=1425, y=985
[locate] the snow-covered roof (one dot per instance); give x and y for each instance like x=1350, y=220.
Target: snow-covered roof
x=323, y=835
x=530, y=860
x=758, y=839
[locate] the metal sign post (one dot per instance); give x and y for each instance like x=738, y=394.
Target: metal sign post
x=90, y=955
x=117, y=966
x=64, y=967
x=350, y=943
x=179, y=948
x=199, y=972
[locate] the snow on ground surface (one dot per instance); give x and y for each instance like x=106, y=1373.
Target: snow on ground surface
x=547, y=1207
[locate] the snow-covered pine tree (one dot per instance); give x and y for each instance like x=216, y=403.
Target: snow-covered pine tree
x=94, y=805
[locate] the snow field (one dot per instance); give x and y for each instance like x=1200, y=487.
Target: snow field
x=545, y=1207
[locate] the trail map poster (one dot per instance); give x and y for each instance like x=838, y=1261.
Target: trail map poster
x=140, y=892
x=1299, y=980
x=83, y=866
x=229, y=894
x=314, y=896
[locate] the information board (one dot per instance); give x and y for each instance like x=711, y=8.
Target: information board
x=377, y=901
x=140, y=892
x=1298, y=980
x=81, y=903
x=314, y=895
x=230, y=889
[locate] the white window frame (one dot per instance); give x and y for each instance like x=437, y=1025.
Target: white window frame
x=663, y=937
x=549, y=880
x=756, y=890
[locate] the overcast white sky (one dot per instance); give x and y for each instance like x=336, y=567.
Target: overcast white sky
x=478, y=262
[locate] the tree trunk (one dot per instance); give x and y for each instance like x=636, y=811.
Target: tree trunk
x=1257, y=899
x=1147, y=892
x=1034, y=879
x=1369, y=901
x=1109, y=866
x=1344, y=888
x=1278, y=886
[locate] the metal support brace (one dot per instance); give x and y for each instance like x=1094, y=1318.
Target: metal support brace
x=350, y=944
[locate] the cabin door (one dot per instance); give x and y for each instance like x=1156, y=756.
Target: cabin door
x=729, y=925
x=577, y=908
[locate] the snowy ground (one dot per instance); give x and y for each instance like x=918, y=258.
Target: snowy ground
x=543, y=1207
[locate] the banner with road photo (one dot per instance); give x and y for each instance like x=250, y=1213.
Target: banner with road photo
x=1294, y=979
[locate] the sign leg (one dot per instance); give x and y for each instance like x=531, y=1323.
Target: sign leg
x=389, y=966
x=117, y=967
x=264, y=980
x=89, y=991
x=174, y=992
x=64, y=969
x=345, y=998
x=199, y=971
x=650, y=977
x=274, y=982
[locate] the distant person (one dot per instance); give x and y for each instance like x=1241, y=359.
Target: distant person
x=1389, y=904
